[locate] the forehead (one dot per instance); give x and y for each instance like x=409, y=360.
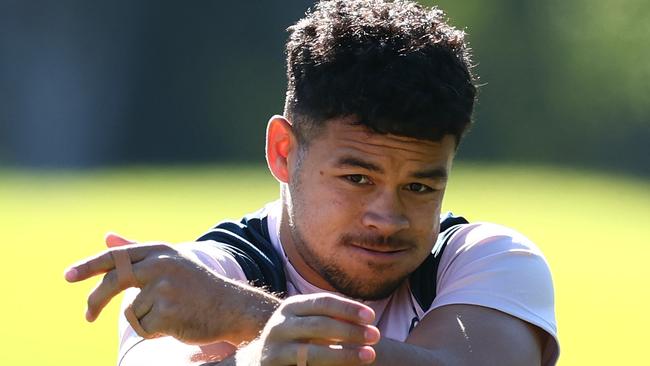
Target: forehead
x=343, y=137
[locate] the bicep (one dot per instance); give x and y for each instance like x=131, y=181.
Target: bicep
x=494, y=300
x=476, y=335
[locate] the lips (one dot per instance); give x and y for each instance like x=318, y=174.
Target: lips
x=380, y=249
x=385, y=250
x=377, y=257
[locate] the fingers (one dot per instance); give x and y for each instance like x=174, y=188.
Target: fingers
x=160, y=316
x=332, y=306
x=324, y=355
x=151, y=312
x=92, y=266
x=335, y=329
x=101, y=295
x=107, y=288
x=124, y=269
x=99, y=264
x=302, y=354
x=327, y=329
x=133, y=320
x=104, y=261
x=113, y=240
x=143, y=302
x=139, y=314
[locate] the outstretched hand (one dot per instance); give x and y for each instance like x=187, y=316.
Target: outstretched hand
x=178, y=297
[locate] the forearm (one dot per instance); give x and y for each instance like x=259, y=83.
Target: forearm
x=167, y=351
x=248, y=355
x=251, y=309
x=391, y=352
x=237, y=317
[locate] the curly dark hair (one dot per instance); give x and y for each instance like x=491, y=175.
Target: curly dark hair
x=395, y=65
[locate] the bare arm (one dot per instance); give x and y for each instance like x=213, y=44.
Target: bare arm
x=450, y=335
x=250, y=307
x=465, y=335
x=167, y=351
x=179, y=297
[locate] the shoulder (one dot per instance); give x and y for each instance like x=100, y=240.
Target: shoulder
x=497, y=267
x=493, y=247
x=250, y=243
x=210, y=254
x=490, y=258
x=486, y=236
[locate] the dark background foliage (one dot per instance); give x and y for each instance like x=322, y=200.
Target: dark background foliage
x=97, y=83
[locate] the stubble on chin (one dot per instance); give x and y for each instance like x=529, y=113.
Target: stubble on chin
x=372, y=288
x=375, y=287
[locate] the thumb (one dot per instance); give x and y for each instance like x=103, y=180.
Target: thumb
x=114, y=240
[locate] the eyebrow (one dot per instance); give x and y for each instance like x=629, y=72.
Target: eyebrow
x=435, y=173
x=352, y=162
x=439, y=173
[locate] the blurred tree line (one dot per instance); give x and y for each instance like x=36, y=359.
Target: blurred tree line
x=566, y=82
x=86, y=84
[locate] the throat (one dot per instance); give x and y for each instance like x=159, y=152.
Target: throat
x=299, y=258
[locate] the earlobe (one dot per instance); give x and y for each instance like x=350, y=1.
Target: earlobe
x=279, y=142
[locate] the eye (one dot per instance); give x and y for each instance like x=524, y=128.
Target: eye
x=419, y=188
x=358, y=179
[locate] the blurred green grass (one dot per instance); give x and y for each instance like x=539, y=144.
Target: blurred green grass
x=592, y=227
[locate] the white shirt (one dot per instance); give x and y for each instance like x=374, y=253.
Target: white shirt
x=483, y=264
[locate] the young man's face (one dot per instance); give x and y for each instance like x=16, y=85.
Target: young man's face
x=362, y=209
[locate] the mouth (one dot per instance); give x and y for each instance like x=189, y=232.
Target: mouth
x=387, y=250
x=379, y=252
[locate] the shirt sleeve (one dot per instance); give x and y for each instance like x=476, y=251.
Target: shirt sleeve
x=493, y=266
x=203, y=252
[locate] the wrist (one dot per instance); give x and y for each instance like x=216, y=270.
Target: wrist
x=243, y=312
x=249, y=355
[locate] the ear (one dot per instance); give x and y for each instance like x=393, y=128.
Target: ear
x=280, y=141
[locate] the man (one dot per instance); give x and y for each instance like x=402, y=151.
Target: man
x=353, y=265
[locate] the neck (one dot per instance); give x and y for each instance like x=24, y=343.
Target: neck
x=293, y=254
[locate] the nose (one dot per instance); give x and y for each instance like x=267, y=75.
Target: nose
x=385, y=214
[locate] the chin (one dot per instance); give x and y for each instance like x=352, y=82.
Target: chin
x=361, y=288
x=369, y=294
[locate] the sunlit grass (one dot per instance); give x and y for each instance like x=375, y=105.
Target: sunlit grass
x=593, y=229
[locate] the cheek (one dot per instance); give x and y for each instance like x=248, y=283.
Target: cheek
x=424, y=218
x=331, y=195
x=423, y=227
x=332, y=211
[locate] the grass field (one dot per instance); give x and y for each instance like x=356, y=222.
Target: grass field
x=593, y=228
